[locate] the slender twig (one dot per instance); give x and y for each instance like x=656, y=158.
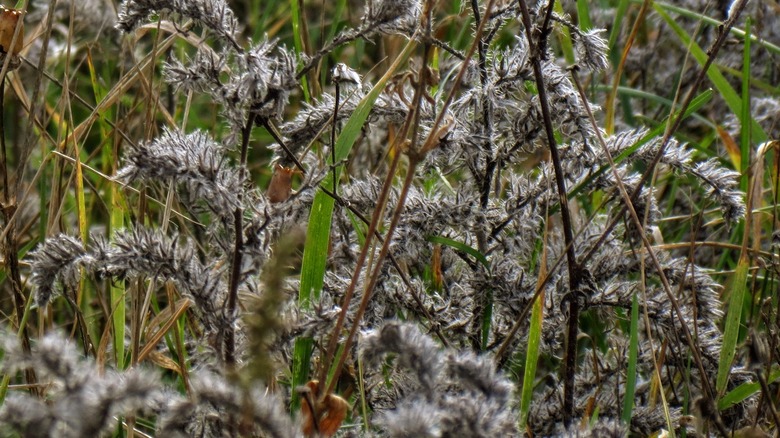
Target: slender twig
x=268, y=125
x=333, y=136
x=570, y=357
x=342, y=38
x=447, y=48
x=487, y=119
x=545, y=31
x=238, y=229
x=30, y=139
x=486, y=102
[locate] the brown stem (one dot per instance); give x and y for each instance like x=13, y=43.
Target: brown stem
x=369, y=288
x=484, y=299
x=275, y=134
x=375, y=218
x=434, y=327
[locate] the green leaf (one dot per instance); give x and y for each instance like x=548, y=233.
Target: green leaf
x=531, y=358
x=564, y=37
x=117, y=290
x=721, y=84
x=583, y=16
x=633, y=349
x=744, y=391
x=768, y=45
x=733, y=320
x=745, y=136
x=617, y=24
x=461, y=247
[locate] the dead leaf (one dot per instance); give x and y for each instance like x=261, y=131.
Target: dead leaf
x=329, y=411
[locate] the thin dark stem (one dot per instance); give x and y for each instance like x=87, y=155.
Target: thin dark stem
x=3, y=155
x=333, y=138
x=343, y=38
x=235, y=272
x=278, y=138
x=10, y=255
x=447, y=48
x=487, y=178
x=546, y=29
x=31, y=139
x=570, y=356
x=487, y=119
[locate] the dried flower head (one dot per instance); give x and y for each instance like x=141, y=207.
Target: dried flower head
x=194, y=160
x=213, y=14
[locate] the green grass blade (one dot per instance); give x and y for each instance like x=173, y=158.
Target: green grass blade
x=744, y=391
x=745, y=136
x=117, y=288
x=733, y=319
x=487, y=311
x=633, y=354
x=461, y=247
x=583, y=16
x=617, y=24
x=338, y=14
x=650, y=97
x=295, y=17
x=564, y=37
x=740, y=33
x=531, y=358
x=721, y=84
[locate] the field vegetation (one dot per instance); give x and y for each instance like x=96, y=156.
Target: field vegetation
x=400, y=218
